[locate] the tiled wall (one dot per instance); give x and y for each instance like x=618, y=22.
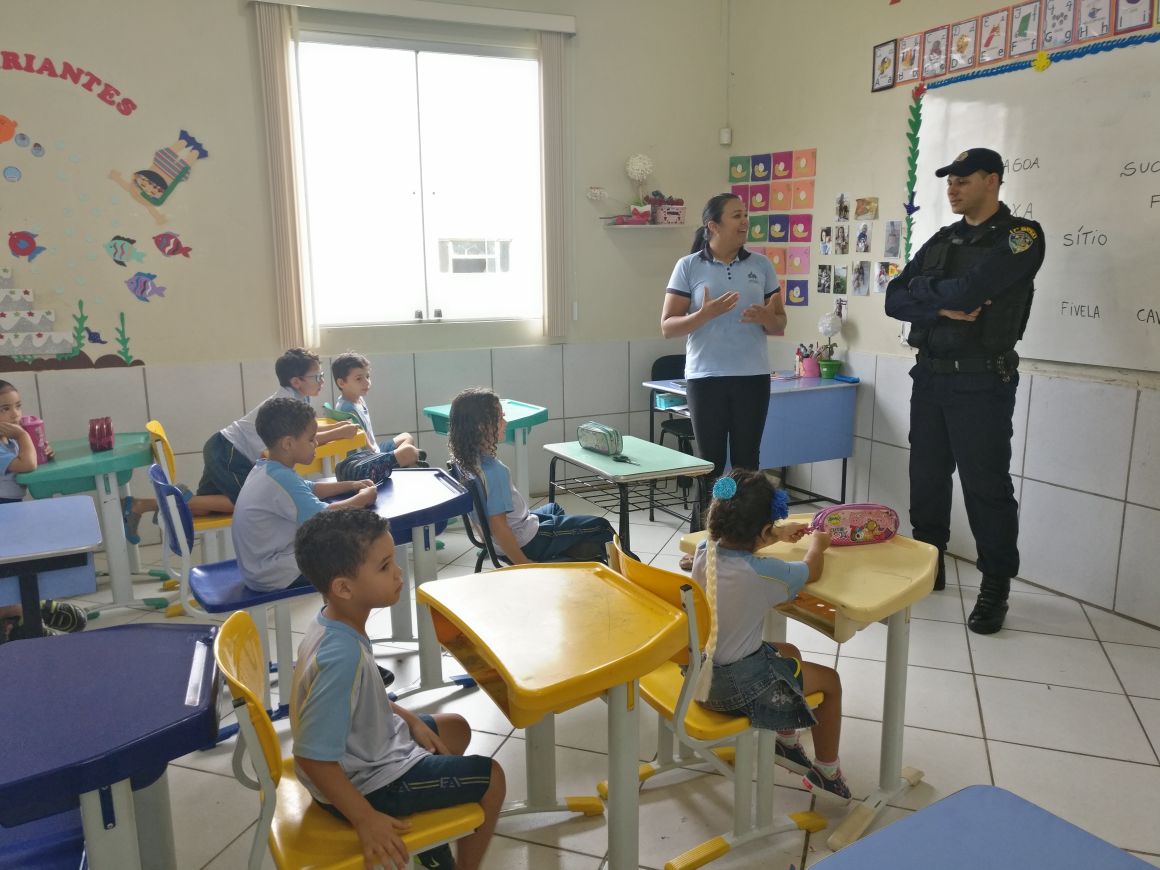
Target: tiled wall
x=1086, y=456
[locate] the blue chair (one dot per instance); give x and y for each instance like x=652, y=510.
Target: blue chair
x=218, y=587
x=52, y=843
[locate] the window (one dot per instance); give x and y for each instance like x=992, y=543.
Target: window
x=422, y=179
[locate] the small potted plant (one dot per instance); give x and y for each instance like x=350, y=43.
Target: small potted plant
x=829, y=325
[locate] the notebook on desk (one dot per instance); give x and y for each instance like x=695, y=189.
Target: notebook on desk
x=783, y=376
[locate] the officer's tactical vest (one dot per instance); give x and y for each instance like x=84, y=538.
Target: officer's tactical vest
x=1000, y=324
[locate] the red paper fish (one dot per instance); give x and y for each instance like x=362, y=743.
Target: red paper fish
x=23, y=244
x=170, y=245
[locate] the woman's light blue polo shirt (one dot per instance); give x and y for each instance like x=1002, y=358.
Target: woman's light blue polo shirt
x=725, y=346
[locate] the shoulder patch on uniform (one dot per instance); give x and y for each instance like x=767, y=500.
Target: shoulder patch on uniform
x=1021, y=238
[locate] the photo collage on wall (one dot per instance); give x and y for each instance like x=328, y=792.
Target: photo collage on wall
x=778, y=190
x=852, y=230
x=1015, y=32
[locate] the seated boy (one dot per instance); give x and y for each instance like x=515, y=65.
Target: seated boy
x=275, y=501
x=363, y=758
x=352, y=375
x=231, y=453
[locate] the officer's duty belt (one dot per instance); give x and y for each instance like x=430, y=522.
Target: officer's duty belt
x=1001, y=364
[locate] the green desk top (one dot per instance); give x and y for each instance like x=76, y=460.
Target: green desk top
x=653, y=462
x=75, y=466
x=519, y=415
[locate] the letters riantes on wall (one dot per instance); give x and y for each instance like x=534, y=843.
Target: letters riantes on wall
x=12, y=61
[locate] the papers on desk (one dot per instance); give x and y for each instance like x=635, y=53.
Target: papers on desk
x=783, y=376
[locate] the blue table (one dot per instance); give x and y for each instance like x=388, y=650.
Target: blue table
x=94, y=718
x=47, y=551
x=809, y=420
x=982, y=826
x=414, y=500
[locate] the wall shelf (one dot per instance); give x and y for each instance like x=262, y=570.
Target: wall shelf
x=645, y=226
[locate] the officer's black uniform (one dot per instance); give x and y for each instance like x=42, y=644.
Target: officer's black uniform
x=965, y=377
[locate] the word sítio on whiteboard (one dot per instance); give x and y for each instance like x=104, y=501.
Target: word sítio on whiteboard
x=11, y=61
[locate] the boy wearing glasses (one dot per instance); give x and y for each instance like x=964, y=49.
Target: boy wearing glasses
x=231, y=453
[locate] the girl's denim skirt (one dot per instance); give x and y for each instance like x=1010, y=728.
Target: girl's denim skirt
x=764, y=686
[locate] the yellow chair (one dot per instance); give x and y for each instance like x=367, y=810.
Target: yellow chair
x=299, y=833
x=704, y=736
x=328, y=455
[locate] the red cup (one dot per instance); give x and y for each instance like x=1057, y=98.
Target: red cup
x=34, y=426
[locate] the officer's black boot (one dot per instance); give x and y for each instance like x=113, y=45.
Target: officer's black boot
x=940, y=577
x=990, y=606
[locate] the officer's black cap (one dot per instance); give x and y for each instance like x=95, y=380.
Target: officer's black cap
x=972, y=160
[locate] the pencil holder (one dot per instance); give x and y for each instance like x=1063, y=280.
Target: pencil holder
x=810, y=368
x=100, y=434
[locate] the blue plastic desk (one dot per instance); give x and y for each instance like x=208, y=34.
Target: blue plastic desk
x=809, y=420
x=982, y=826
x=75, y=469
x=414, y=500
x=95, y=718
x=520, y=417
x=47, y=551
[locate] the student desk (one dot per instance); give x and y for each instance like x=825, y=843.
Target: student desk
x=414, y=500
x=982, y=826
x=541, y=639
x=47, y=551
x=75, y=469
x=809, y=420
x=520, y=417
x=96, y=717
x=650, y=463
x=862, y=585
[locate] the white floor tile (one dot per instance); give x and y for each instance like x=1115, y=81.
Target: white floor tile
x=210, y=811
x=1056, y=717
x=1154, y=860
x=1138, y=667
x=1116, y=629
x=237, y=855
x=1043, y=658
x=1116, y=800
x=1148, y=709
x=945, y=606
x=816, y=848
x=933, y=644
x=1047, y=614
x=506, y=853
x=935, y=699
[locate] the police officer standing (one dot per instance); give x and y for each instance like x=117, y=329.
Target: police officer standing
x=967, y=295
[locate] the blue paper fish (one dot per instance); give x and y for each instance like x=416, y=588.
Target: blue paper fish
x=143, y=285
x=909, y=205
x=121, y=249
x=94, y=337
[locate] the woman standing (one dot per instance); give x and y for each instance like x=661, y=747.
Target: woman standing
x=726, y=300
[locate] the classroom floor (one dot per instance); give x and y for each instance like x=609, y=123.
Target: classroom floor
x=1061, y=707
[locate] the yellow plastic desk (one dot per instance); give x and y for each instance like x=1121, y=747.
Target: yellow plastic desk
x=541, y=639
x=859, y=586
x=328, y=455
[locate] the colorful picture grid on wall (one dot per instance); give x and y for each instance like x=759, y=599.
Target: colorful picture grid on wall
x=1010, y=33
x=777, y=188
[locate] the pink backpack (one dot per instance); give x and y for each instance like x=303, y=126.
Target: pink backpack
x=853, y=524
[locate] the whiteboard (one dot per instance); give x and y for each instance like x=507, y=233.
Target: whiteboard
x=1082, y=144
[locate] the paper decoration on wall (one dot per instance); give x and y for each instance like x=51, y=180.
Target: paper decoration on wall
x=934, y=52
x=12, y=173
x=776, y=254
x=1093, y=19
x=782, y=164
x=121, y=250
x=1058, y=23
x=780, y=193
x=797, y=259
x=841, y=240
x=759, y=168
x=7, y=128
x=801, y=227
x=23, y=244
x=993, y=36
x=758, y=228
x=779, y=228
x=93, y=337
x=825, y=241
x=866, y=208
x=758, y=197
x=842, y=207
x=908, y=57
x=1133, y=15
x=860, y=280
x=797, y=292
x=143, y=285
x=825, y=279
x=964, y=41
x=864, y=239
x=884, y=273
x=840, y=279
x=1024, y=29
x=170, y=245
x=738, y=169
x=805, y=163
x=882, y=73
x=741, y=191
x=892, y=246
x=31, y=341
x=803, y=193
x=171, y=166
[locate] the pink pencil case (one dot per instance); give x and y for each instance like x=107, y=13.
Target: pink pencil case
x=853, y=524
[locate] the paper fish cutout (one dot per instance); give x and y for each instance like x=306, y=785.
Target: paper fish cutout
x=94, y=337
x=7, y=128
x=23, y=244
x=143, y=285
x=909, y=205
x=170, y=245
x=121, y=250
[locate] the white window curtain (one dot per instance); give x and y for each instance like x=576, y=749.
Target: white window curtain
x=276, y=26
x=556, y=163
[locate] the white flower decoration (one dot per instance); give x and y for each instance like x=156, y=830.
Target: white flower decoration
x=638, y=167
